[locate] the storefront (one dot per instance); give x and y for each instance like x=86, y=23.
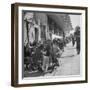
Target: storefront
x=41, y=26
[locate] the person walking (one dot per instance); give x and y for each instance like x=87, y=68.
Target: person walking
x=77, y=36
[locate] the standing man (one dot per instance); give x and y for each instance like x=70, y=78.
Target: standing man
x=56, y=53
x=77, y=36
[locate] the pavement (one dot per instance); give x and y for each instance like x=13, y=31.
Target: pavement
x=69, y=63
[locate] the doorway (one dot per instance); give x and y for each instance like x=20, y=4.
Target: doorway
x=36, y=34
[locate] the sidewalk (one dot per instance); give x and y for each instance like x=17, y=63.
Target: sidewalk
x=69, y=62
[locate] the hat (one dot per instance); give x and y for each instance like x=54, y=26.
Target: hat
x=77, y=27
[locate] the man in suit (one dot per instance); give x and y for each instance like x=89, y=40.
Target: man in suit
x=77, y=36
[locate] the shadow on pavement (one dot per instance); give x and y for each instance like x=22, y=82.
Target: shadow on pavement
x=67, y=56
x=33, y=74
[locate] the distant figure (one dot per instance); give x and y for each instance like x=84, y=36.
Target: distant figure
x=64, y=39
x=73, y=41
x=77, y=36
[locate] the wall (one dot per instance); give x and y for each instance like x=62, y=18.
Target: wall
x=5, y=45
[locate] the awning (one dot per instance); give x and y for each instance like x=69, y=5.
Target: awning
x=58, y=18
x=56, y=36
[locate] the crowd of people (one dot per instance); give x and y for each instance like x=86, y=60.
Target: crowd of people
x=44, y=56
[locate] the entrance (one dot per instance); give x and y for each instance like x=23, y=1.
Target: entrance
x=36, y=34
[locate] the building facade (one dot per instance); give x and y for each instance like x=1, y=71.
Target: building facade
x=41, y=26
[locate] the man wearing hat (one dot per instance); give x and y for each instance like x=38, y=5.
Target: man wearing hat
x=77, y=36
